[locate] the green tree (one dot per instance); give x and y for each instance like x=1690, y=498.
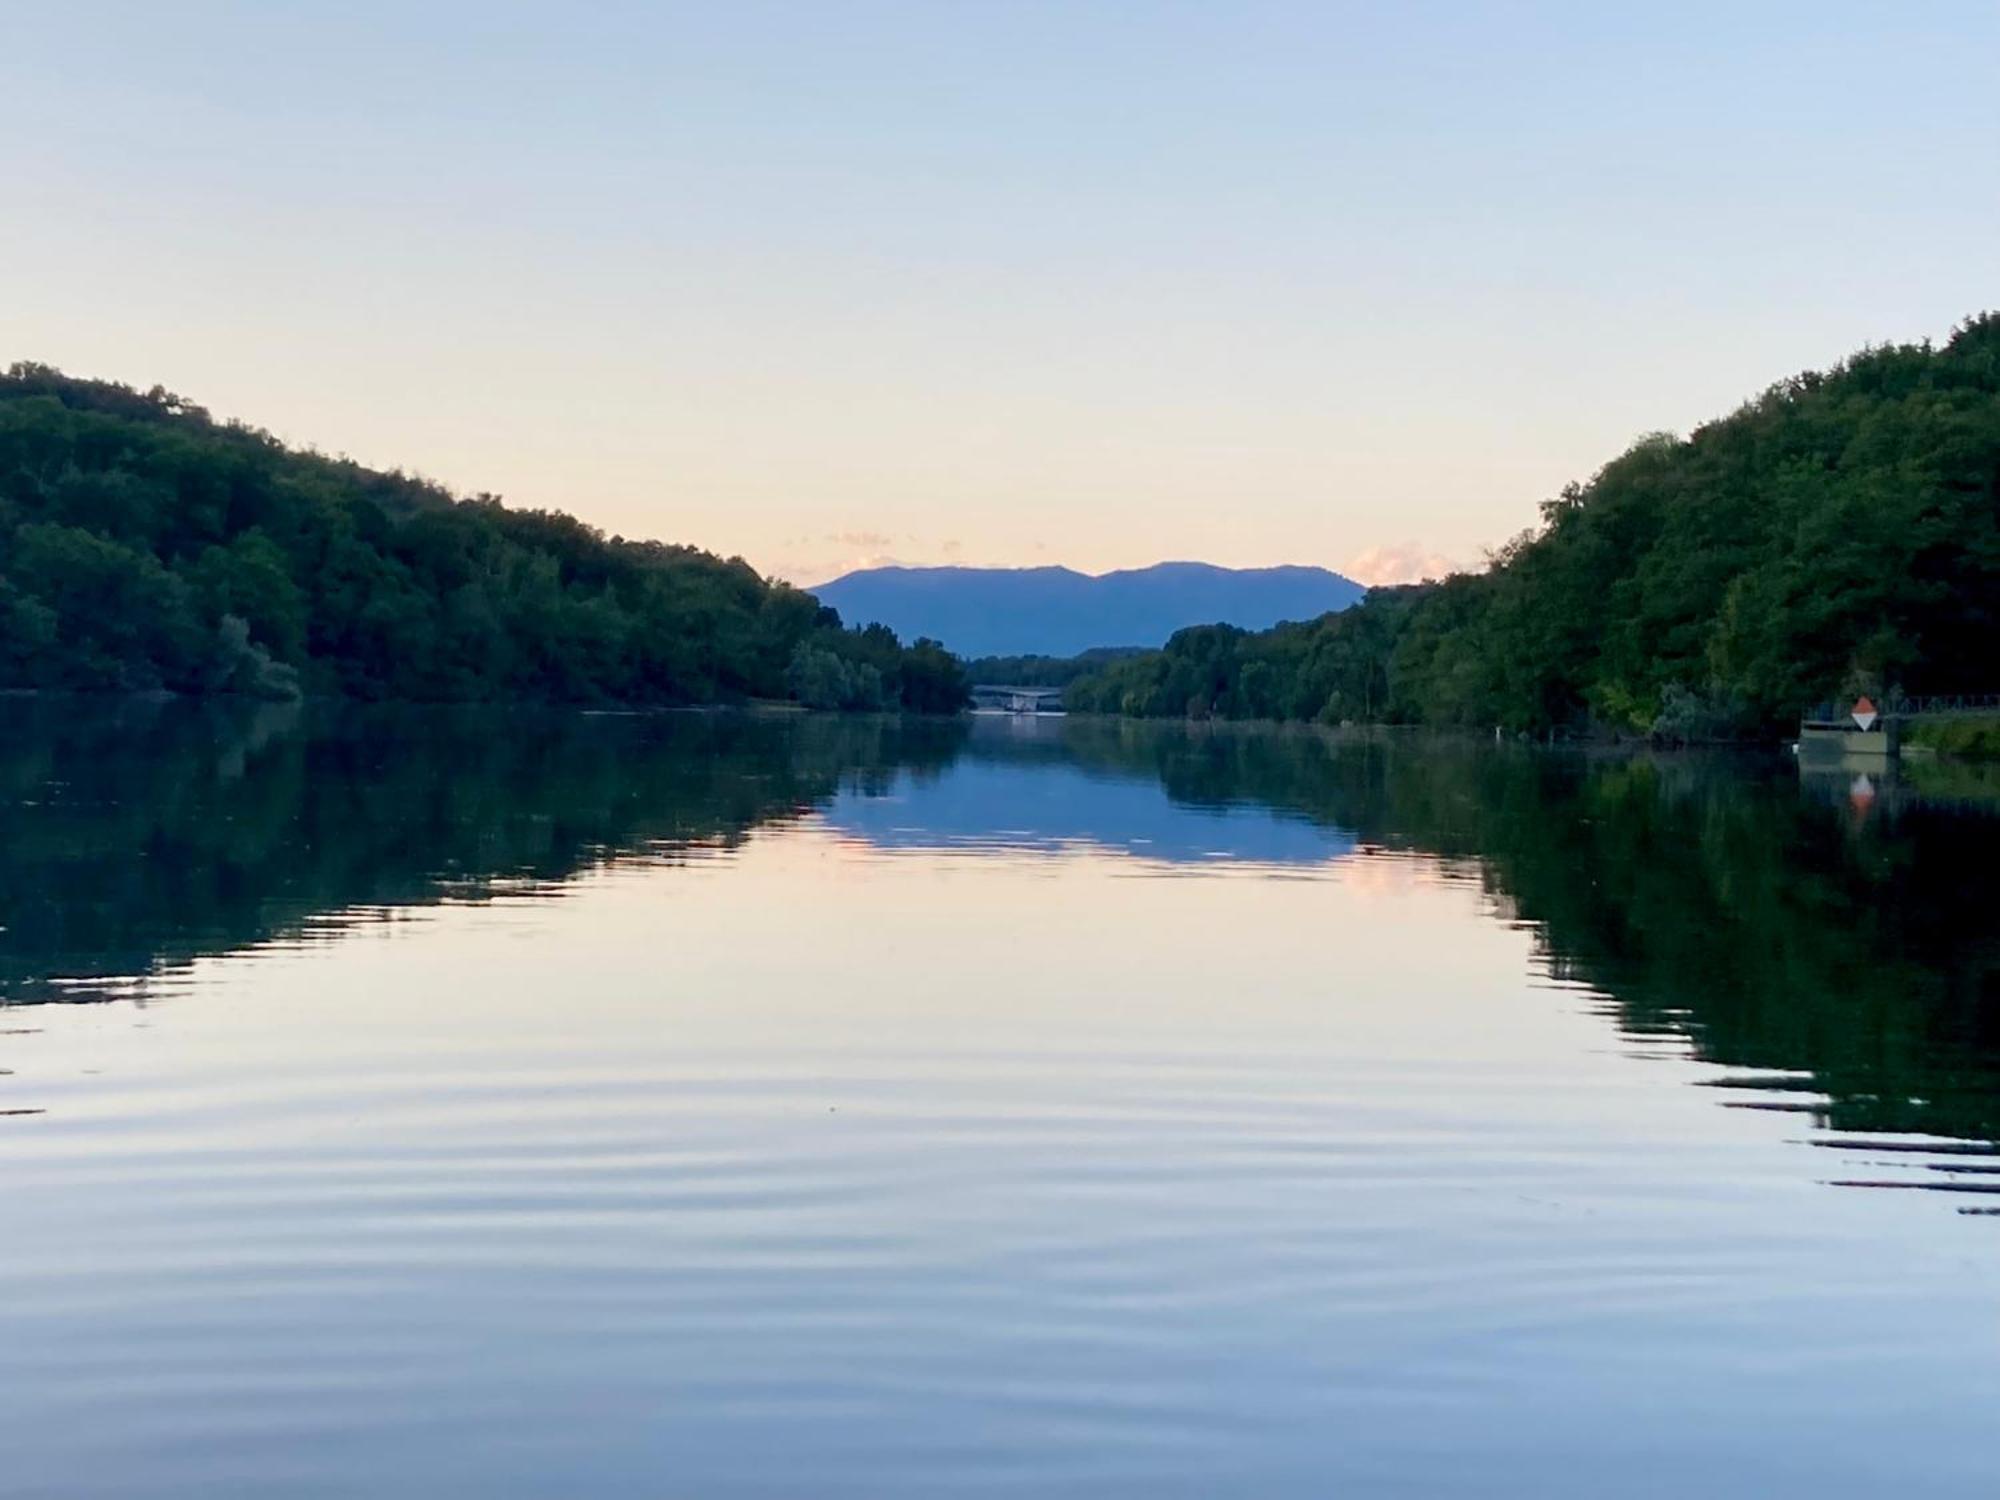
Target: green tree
x=1843, y=526
x=143, y=544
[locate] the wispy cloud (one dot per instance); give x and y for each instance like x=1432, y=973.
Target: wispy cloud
x=1400, y=562
x=811, y=560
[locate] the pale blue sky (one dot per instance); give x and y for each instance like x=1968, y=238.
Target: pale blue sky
x=1005, y=283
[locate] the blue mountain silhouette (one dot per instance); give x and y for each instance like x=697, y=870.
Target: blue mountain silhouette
x=1059, y=611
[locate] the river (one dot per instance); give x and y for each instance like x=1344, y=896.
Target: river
x=463, y=1102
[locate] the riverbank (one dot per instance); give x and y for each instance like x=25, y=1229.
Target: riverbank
x=1958, y=739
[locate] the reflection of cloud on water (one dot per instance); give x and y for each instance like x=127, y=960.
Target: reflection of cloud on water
x=1050, y=807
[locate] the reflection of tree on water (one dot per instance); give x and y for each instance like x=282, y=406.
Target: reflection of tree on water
x=139, y=834
x=1847, y=958
x=1842, y=958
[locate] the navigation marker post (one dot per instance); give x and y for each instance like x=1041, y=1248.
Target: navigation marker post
x=1862, y=733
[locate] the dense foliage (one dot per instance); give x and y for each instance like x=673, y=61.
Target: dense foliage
x=1842, y=531
x=1046, y=671
x=1964, y=739
x=144, y=545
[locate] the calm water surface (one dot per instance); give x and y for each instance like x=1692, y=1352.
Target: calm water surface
x=438, y=1104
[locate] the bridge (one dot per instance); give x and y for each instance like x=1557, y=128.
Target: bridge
x=1002, y=698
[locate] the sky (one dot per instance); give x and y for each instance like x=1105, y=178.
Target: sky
x=831, y=284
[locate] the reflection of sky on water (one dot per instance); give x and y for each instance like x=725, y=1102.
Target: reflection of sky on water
x=1049, y=805
x=897, y=1155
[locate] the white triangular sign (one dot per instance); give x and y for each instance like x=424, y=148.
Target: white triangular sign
x=1865, y=715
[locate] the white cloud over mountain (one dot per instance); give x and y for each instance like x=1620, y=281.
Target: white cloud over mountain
x=1401, y=562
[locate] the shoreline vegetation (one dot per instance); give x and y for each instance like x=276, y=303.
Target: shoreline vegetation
x=1958, y=739
x=1839, y=534
x=145, y=546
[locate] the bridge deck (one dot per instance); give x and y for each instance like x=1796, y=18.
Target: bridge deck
x=1016, y=699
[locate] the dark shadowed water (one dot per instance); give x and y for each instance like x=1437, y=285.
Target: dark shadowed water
x=477, y=1104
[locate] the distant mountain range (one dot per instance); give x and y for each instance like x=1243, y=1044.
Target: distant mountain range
x=1059, y=612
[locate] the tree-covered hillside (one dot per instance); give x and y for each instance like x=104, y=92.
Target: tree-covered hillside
x=144, y=545
x=1841, y=531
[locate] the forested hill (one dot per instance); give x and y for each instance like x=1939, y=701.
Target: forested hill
x=145, y=545
x=1839, y=533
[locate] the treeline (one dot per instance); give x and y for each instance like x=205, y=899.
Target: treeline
x=1047, y=671
x=1840, y=533
x=144, y=545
